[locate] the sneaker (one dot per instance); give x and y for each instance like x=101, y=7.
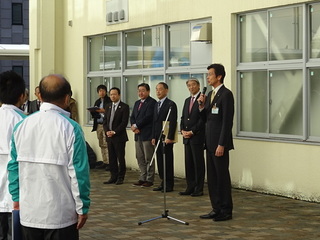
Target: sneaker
x=139, y=183
x=147, y=184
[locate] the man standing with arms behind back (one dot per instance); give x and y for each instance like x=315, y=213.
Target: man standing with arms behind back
x=192, y=130
x=49, y=171
x=141, y=124
x=218, y=110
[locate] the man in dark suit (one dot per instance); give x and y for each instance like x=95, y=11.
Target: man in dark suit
x=98, y=115
x=114, y=125
x=218, y=111
x=35, y=104
x=160, y=114
x=141, y=124
x=192, y=128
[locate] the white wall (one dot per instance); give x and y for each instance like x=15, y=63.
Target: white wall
x=289, y=169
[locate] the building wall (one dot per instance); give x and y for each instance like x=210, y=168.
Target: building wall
x=58, y=31
x=14, y=34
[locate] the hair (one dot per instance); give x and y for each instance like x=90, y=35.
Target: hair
x=52, y=90
x=218, y=70
x=164, y=85
x=145, y=85
x=115, y=88
x=193, y=79
x=12, y=86
x=102, y=87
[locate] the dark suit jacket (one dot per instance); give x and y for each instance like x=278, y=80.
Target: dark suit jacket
x=219, y=126
x=192, y=122
x=119, y=124
x=143, y=118
x=33, y=107
x=96, y=115
x=158, y=118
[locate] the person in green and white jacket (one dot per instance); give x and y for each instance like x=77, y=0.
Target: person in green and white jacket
x=49, y=170
x=12, y=90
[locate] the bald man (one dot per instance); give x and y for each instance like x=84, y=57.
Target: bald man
x=49, y=172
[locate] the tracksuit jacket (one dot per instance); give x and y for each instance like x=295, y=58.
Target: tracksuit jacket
x=10, y=115
x=49, y=170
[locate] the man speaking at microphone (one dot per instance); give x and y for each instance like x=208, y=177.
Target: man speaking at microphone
x=192, y=129
x=160, y=114
x=217, y=111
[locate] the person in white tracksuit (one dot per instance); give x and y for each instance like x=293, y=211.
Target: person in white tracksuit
x=49, y=171
x=12, y=90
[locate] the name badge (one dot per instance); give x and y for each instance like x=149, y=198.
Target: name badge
x=215, y=109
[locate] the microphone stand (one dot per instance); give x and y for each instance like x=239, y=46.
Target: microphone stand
x=165, y=210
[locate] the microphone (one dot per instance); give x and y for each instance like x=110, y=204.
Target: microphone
x=203, y=92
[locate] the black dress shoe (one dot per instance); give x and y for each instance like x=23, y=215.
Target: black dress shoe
x=158, y=188
x=222, y=217
x=119, y=181
x=196, y=194
x=185, y=193
x=210, y=215
x=110, y=181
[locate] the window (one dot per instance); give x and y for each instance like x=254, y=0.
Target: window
x=96, y=54
x=17, y=16
x=151, y=55
x=278, y=78
x=112, y=52
x=179, y=46
x=18, y=70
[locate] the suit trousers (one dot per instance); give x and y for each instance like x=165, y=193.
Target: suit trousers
x=168, y=150
x=101, y=135
x=144, y=153
x=219, y=182
x=117, y=160
x=194, y=167
x=70, y=233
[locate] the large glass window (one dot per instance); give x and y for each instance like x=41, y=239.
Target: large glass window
x=126, y=59
x=134, y=50
x=254, y=101
x=96, y=54
x=286, y=102
x=314, y=22
x=253, y=37
x=153, y=47
x=112, y=52
x=179, y=48
x=280, y=100
x=286, y=33
x=314, y=100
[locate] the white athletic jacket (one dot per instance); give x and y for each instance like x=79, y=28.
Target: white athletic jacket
x=49, y=170
x=10, y=115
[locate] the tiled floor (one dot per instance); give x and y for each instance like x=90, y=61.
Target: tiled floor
x=116, y=211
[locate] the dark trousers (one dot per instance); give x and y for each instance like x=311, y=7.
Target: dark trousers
x=5, y=226
x=116, y=155
x=219, y=183
x=68, y=233
x=168, y=150
x=194, y=167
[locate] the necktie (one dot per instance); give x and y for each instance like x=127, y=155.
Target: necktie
x=159, y=105
x=140, y=104
x=191, y=104
x=212, y=96
x=113, y=110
